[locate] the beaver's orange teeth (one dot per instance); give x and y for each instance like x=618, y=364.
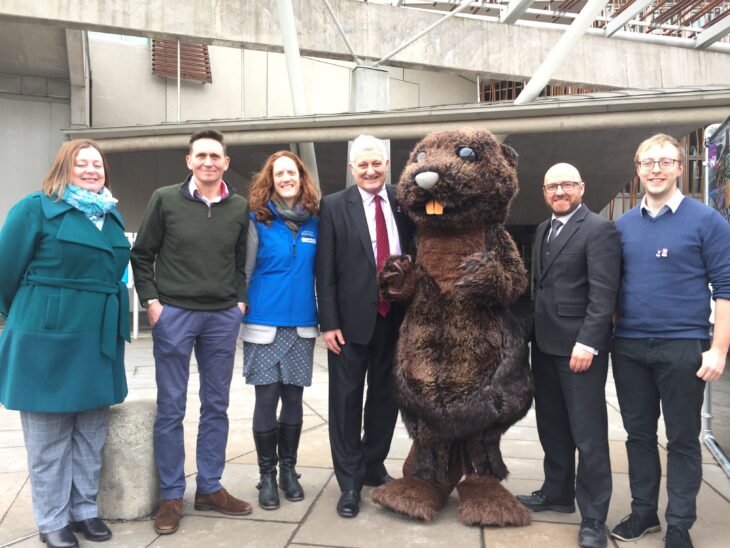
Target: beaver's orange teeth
x=434, y=207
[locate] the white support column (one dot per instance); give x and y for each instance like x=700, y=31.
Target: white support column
x=179, y=79
x=77, y=52
x=515, y=9
x=618, y=22
x=370, y=91
x=288, y=26
x=713, y=34
x=560, y=51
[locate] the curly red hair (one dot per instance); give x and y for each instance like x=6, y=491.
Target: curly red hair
x=262, y=188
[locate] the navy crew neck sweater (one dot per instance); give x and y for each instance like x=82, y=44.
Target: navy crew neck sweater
x=668, y=262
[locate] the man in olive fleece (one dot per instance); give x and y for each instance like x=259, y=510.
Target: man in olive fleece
x=188, y=263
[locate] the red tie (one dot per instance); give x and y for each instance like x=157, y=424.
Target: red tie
x=382, y=246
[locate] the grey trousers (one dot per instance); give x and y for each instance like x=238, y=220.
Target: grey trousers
x=64, y=462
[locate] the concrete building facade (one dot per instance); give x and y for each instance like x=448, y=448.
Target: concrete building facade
x=84, y=69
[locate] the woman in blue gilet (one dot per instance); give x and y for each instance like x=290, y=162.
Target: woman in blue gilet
x=280, y=326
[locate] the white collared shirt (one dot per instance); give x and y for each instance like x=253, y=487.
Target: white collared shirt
x=671, y=205
x=194, y=191
x=563, y=219
x=368, y=202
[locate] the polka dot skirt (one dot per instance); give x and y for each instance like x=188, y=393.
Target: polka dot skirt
x=287, y=360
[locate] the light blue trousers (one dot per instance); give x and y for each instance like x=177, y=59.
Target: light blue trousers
x=64, y=462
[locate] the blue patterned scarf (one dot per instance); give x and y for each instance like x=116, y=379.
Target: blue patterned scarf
x=294, y=217
x=93, y=205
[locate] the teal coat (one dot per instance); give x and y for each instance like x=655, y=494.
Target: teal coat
x=62, y=349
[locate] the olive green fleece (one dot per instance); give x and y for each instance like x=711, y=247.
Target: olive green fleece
x=190, y=255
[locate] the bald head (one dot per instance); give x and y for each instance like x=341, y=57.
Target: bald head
x=562, y=172
x=563, y=189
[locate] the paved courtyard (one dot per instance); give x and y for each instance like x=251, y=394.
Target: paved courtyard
x=313, y=522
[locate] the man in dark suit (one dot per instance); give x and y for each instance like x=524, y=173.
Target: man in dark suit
x=359, y=228
x=576, y=263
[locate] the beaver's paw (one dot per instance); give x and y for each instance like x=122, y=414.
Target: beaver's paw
x=414, y=497
x=484, y=501
x=478, y=275
x=396, y=280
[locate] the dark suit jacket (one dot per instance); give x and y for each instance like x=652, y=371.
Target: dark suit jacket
x=575, y=287
x=347, y=292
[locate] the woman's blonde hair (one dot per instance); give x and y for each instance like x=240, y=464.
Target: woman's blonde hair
x=60, y=172
x=262, y=188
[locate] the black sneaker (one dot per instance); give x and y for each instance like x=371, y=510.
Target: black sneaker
x=633, y=527
x=592, y=534
x=677, y=538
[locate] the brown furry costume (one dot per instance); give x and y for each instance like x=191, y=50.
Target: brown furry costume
x=461, y=372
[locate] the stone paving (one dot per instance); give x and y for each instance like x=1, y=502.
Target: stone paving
x=314, y=522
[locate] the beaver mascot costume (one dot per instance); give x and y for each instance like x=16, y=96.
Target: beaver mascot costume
x=461, y=374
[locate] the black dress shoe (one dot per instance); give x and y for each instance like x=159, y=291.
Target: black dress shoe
x=538, y=502
x=62, y=538
x=592, y=534
x=375, y=481
x=93, y=529
x=349, y=504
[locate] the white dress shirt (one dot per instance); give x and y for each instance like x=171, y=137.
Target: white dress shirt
x=368, y=202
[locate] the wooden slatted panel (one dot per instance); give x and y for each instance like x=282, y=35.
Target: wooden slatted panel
x=194, y=60
x=492, y=91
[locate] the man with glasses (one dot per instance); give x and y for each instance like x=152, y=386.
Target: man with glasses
x=575, y=273
x=672, y=247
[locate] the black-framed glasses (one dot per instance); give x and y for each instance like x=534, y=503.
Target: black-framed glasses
x=567, y=186
x=647, y=163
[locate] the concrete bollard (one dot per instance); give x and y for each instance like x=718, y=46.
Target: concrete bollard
x=129, y=487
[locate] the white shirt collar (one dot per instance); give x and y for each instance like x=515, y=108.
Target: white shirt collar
x=193, y=188
x=672, y=203
x=367, y=197
x=565, y=218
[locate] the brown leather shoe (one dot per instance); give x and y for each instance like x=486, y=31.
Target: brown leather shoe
x=222, y=501
x=167, y=520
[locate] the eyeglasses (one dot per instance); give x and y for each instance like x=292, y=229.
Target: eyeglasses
x=567, y=186
x=648, y=163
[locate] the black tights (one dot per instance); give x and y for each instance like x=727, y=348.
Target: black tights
x=267, y=399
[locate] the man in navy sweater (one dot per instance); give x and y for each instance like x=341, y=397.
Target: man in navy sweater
x=672, y=247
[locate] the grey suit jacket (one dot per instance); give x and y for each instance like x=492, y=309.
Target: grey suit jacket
x=575, y=284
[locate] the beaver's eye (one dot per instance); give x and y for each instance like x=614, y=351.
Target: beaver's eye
x=467, y=154
x=420, y=157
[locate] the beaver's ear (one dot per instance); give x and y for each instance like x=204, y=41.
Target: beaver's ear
x=510, y=154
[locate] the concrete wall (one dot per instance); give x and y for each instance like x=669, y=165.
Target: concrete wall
x=30, y=133
x=467, y=46
x=246, y=84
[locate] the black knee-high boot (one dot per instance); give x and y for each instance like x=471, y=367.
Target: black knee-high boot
x=266, y=452
x=288, y=445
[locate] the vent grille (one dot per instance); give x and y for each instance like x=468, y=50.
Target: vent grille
x=194, y=60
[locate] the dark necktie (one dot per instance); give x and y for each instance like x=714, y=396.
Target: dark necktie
x=382, y=246
x=556, y=224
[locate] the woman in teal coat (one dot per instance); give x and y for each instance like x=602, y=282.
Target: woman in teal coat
x=63, y=253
